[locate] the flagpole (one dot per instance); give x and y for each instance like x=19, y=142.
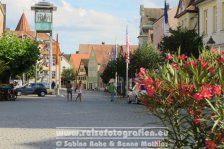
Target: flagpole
x=57, y=67
x=126, y=79
x=127, y=60
x=116, y=60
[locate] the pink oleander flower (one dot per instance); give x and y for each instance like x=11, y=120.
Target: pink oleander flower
x=158, y=84
x=198, y=96
x=206, y=91
x=214, y=50
x=212, y=70
x=174, y=65
x=198, y=60
x=203, y=65
x=142, y=70
x=196, y=120
x=182, y=57
x=168, y=57
x=148, y=82
x=170, y=99
x=217, y=90
x=192, y=63
x=210, y=144
x=220, y=60
x=190, y=88
x=150, y=91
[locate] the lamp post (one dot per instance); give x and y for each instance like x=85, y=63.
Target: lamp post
x=211, y=42
x=43, y=24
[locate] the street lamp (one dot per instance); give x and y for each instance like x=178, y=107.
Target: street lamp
x=211, y=42
x=43, y=24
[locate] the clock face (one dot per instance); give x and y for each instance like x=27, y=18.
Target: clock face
x=43, y=16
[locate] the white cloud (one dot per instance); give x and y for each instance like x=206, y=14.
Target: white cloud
x=151, y=3
x=76, y=25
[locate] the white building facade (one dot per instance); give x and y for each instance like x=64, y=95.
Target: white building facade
x=64, y=64
x=211, y=16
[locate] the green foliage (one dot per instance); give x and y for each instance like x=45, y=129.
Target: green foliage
x=188, y=41
x=31, y=72
x=121, y=66
x=3, y=67
x=19, y=54
x=109, y=72
x=68, y=75
x=186, y=94
x=146, y=57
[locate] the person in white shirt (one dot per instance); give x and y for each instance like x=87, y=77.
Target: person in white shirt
x=79, y=90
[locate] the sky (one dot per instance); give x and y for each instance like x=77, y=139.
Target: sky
x=87, y=21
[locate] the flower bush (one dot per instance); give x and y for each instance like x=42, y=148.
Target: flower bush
x=186, y=94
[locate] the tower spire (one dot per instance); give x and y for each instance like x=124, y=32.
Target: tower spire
x=23, y=24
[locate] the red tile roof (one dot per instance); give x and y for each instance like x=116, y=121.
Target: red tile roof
x=40, y=36
x=76, y=59
x=32, y=34
x=23, y=24
x=102, y=51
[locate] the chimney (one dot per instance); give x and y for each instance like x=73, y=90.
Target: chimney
x=141, y=10
x=167, y=6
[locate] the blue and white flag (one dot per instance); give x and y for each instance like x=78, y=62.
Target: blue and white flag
x=166, y=26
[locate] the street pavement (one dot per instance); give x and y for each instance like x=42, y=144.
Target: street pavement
x=30, y=122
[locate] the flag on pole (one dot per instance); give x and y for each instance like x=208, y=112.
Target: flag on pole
x=127, y=47
x=57, y=51
x=166, y=26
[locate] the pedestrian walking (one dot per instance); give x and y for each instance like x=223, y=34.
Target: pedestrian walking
x=112, y=90
x=79, y=90
x=69, y=90
x=53, y=85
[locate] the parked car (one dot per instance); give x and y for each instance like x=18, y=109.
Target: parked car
x=32, y=88
x=7, y=92
x=47, y=86
x=135, y=92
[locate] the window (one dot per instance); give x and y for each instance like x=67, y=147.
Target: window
x=214, y=19
x=53, y=74
x=205, y=21
x=82, y=70
x=28, y=86
x=45, y=72
x=185, y=23
x=54, y=60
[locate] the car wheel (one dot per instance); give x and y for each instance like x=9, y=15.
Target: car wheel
x=19, y=93
x=42, y=94
x=129, y=99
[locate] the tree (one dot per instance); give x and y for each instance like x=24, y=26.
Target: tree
x=3, y=67
x=146, y=57
x=188, y=41
x=68, y=75
x=109, y=72
x=18, y=54
x=121, y=66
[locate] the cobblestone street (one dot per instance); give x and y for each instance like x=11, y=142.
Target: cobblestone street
x=31, y=121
